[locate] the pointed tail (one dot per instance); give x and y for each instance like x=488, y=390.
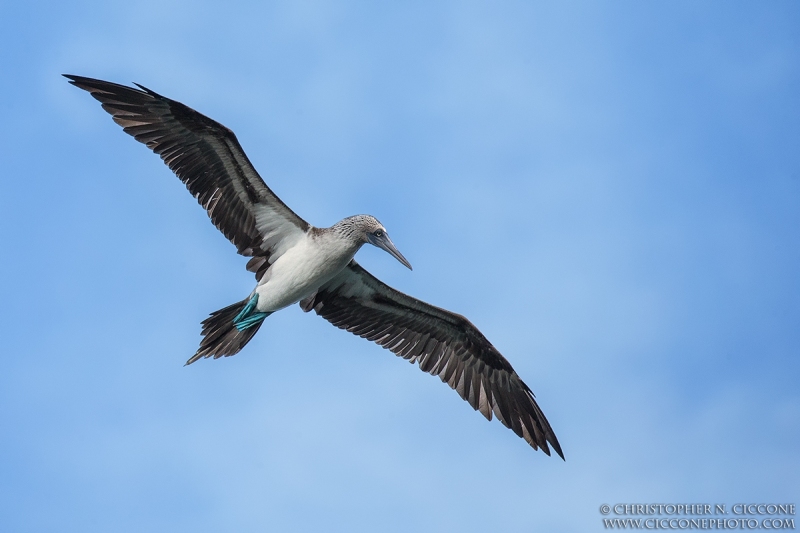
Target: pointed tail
x=221, y=338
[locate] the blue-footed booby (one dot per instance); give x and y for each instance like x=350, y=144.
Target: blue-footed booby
x=294, y=261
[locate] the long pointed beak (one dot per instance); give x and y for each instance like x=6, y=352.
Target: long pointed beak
x=386, y=243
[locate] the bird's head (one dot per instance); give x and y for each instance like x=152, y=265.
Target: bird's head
x=367, y=229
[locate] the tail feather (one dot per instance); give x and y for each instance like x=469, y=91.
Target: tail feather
x=221, y=338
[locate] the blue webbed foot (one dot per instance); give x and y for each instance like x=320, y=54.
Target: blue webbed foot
x=246, y=317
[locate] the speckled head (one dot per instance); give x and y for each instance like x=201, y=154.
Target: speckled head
x=367, y=229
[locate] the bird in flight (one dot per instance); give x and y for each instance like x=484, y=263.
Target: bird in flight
x=294, y=261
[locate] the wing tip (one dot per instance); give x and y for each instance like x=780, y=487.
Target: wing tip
x=95, y=85
x=556, y=448
x=75, y=79
x=548, y=441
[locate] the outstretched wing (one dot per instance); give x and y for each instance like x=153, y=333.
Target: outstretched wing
x=208, y=159
x=443, y=343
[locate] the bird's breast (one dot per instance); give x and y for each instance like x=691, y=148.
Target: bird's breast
x=301, y=270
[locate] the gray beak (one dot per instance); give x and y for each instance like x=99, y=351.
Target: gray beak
x=385, y=243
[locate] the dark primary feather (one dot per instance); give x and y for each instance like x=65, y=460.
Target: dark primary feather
x=442, y=343
x=208, y=159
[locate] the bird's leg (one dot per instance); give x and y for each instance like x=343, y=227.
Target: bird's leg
x=246, y=317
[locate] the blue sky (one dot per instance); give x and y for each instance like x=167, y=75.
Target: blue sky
x=609, y=190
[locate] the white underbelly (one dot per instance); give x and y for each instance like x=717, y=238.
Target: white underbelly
x=298, y=273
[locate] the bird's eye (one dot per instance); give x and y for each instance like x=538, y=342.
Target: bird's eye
x=379, y=233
